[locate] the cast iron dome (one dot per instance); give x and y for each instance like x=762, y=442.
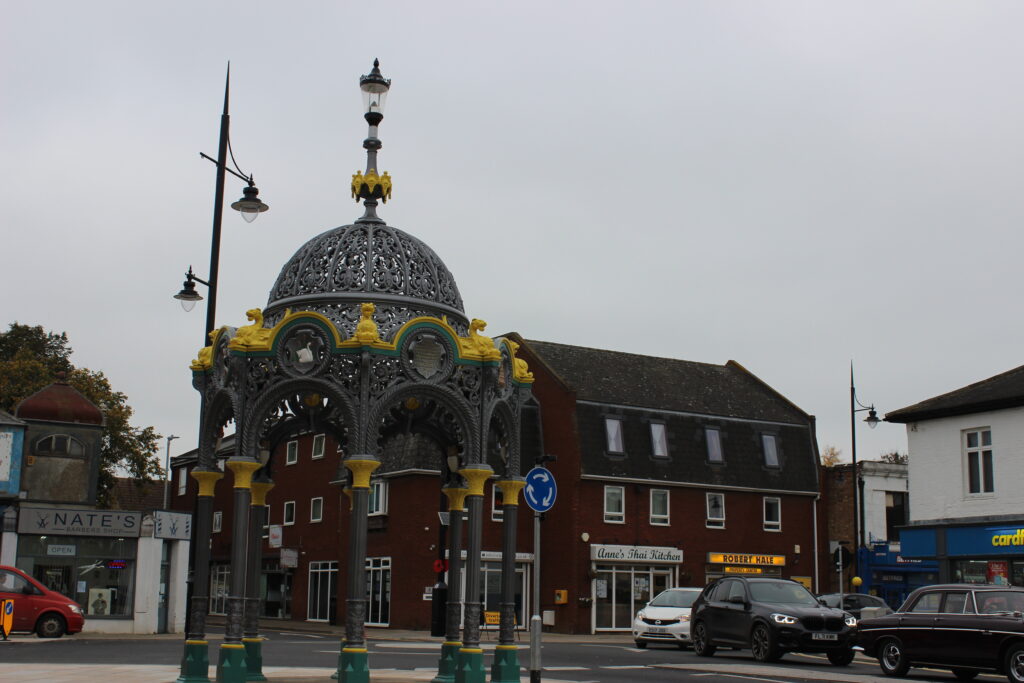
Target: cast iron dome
x=338, y=270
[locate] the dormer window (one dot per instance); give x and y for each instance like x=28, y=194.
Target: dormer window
x=659, y=440
x=59, y=444
x=613, y=430
x=771, y=450
x=714, y=439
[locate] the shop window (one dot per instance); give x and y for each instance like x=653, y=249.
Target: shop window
x=614, y=505
x=97, y=573
x=659, y=507
x=289, y=513
x=220, y=582
x=496, y=500
x=182, y=480
x=291, y=455
x=318, y=446
x=59, y=444
x=716, y=511
x=316, y=509
x=978, y=457
x=771, y=450
x=714, y=439
x=378, y=504
x=218, y=520
x=659, y=440
x=895, y=513
x=772, y=514
x=378, y=591
x=323, y=590
x=613, y=432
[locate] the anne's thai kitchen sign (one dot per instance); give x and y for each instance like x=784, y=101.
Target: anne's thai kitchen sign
x=72, y=522
x=635, y=553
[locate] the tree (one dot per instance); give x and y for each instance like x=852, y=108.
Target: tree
x=31, y=357
x=830, y=456
x=894, y=457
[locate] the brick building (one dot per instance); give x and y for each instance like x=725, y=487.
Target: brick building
x=669, y=473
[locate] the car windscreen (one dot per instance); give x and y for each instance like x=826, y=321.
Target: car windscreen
x=675, y=599
x=995, y=602
x=781, y=592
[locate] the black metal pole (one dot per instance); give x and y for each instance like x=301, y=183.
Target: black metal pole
x=853, y=475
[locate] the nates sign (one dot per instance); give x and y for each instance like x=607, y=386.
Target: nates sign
x=72, y=522
x=635, y=553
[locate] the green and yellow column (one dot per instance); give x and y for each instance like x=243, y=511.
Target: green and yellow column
x=195, y=661
x=353, y=662
x=505, y=668
x=453, y=642
x=231, y=666
x=251, y=638
x=470, y=665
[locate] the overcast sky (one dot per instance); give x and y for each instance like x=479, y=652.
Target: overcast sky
x=791, y=185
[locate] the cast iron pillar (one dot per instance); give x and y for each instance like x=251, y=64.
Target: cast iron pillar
x=195, y=662
x=450, y=649
x=470, y=667
x=505, y=668
x=353, y=662
x=231, y=666
x=251, y=639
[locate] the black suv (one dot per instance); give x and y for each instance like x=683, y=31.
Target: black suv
x=771, y=617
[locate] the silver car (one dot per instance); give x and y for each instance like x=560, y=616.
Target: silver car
x=666, y=618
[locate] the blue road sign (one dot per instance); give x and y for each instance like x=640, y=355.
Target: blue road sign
x=540, y=491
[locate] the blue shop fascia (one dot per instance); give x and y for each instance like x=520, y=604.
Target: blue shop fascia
x=889, y=573
x=985, y=550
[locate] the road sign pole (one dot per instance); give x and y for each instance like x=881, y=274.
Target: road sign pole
x=535, y=621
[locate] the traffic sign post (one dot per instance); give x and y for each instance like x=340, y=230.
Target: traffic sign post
x=540, y=493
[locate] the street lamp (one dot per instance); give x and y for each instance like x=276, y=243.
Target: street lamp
x=858, y=513
x=167, y=467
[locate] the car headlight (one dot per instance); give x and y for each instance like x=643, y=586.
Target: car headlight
x=783, y=619
x=851, y=620
x=75, y=608
x=684, y=617
x=641, y=615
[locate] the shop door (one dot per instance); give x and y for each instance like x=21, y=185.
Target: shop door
x=620, y=591
x=378, y=591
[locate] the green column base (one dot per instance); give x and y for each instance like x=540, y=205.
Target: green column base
x=195, y=663
x=446, y=664
x=353, y=665
x=470, y=667
x=505, y=668
x=253, y=659
x=231, y=665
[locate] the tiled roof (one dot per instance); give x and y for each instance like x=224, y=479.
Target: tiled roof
x=9, y=420
x=615, y=377
x=133, y=494
x=1005, y=390
x=59, y=402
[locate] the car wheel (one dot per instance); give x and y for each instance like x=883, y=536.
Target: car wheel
x=641, y=644
x=50, y=626
x=1013, y=665
x=965, y=674
x=892, y=660
x=840, y=657
x=701, y=645
x=762, y=644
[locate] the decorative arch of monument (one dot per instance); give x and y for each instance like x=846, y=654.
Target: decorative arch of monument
x=364, y=336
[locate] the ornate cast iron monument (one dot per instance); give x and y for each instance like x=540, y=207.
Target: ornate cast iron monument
x=364, y=336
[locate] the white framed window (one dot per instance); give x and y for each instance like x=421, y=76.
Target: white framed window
x=772, y=514
x=316, y=509
x=614, y=505
x=771, y=450
x=291, y=456
x=714, y=438
x=218, y=521
x=496, y=500
x=659, y=440
x=266, y=521
x=613, y=430
x=716, y=511
x=659, y=507
x=318, y=446
x=289, y=513
x=378, y=504
x=978, y=462
x=182, y=480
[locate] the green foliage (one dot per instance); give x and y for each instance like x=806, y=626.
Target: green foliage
x=31, y=357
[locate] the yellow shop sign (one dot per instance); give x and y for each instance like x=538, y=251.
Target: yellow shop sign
x=744, y=570
x=744, y=558
x=1016, y=538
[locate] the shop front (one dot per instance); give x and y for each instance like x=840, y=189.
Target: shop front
x=745, y=564
x=890, y=575
x=625, y=578
x=970, y=554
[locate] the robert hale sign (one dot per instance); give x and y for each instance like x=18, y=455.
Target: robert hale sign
x=71, y=522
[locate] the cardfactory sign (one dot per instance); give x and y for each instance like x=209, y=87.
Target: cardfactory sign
x=745, y=558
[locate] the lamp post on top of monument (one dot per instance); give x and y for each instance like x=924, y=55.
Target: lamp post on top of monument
x=858, y=513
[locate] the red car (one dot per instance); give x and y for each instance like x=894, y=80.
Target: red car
x=37, y=608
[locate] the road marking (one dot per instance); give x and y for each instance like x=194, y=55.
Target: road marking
x=755, y=678
x=565, y=668
x=625, y=666
x=301, y=635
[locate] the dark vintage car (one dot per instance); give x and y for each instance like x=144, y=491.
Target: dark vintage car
x=967, y=628
x=771, y=617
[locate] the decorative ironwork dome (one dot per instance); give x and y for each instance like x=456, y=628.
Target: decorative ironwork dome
x=368, y=261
